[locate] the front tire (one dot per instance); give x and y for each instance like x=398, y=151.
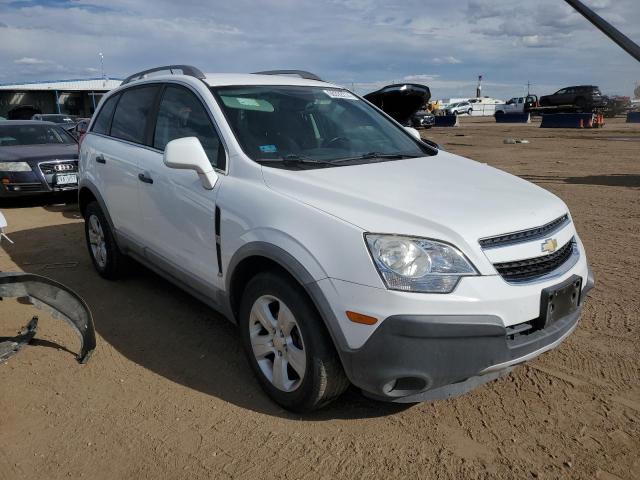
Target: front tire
x=103, y=250
x=287, y=346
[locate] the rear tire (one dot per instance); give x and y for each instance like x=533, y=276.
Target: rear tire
x=287, y=345
x=105, y=255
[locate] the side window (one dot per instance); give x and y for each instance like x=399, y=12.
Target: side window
x=103, y=120
x=181, y=114
x=130, y=120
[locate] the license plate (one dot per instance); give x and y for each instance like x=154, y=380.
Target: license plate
x=560, y=300
x=66, y=179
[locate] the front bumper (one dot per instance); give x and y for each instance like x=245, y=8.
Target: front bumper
x=456, y=341
x=40, y=180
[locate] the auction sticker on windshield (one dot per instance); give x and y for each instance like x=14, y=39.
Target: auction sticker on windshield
x=341, y=94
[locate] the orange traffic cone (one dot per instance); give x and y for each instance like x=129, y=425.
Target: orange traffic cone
x=581, y=123
x=590, y=122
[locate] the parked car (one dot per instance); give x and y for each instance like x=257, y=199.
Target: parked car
x=581, y=97
x=346, y=249
x=402, y=102
x=55, y=118
x=36, y=157
x=423, y=119
x=518, y=105
x=459, y=108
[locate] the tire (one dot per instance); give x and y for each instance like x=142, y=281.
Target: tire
x=545, y=103
x=580, y=103
x=469, y=111
x=281, y=331
x=105, y=255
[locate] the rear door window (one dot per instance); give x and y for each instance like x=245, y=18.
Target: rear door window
x=103, y=120
x=130, y=120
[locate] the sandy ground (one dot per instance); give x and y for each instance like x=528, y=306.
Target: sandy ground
x=168, y=394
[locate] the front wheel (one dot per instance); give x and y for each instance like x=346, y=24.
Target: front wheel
x=287, y=345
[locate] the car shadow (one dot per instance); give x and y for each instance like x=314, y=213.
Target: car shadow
x=612, y=180
x=158, y=326
x=59, y=202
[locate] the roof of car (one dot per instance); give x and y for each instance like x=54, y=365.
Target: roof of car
x=229, y=79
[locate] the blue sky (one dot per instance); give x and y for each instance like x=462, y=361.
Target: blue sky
x=364, y=43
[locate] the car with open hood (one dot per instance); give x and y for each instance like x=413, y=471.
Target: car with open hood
x=345, y=248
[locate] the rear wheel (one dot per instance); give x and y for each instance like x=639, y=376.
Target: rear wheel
x=103, y=250
x=287, y=345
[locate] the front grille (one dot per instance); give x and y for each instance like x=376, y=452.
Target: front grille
x=62, y=167
x=532, y=268
x=525, y=235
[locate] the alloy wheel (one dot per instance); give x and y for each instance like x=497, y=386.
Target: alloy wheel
x=277, y=343
x=97, y=241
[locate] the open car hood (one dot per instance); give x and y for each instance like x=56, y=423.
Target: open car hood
x=400, y=101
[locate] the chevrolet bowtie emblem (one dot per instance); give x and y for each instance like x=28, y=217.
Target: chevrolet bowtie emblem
x=550, y=245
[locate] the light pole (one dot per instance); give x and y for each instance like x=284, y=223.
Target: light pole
x=101, y=64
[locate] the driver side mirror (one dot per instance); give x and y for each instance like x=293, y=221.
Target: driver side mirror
x=413, y=132
x=187, y=154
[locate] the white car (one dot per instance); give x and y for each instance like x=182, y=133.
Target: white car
x=459, y=108
x=346, y=249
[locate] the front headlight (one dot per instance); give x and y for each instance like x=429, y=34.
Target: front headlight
x=14, y=167
x=418, y=264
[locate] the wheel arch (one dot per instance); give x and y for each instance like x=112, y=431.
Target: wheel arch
x=257, y=257
x=88, y=193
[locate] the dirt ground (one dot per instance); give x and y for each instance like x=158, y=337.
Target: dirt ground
x=168, y=394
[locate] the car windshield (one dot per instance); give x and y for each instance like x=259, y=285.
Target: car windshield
x=57, y=118
x=321, y=125
x=17, y=135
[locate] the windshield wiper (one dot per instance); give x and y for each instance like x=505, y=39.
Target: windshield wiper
x=294, y=159
x=373, y=155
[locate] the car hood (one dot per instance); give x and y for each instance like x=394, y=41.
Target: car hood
x=444, y=196
x=37, y=153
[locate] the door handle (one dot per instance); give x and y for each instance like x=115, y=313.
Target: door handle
x=101, y=159
x=143, y=178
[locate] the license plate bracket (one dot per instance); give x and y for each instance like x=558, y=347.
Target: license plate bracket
x=559, y=300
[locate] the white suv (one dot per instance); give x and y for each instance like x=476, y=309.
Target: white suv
x=346, y=249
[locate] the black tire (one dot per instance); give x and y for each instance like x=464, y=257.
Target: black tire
x=469, y=111
x=580, y=103
x=112, y=265
x=545, y=103
x=323, y=380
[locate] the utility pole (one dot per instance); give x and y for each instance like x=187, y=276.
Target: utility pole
x=102, y=67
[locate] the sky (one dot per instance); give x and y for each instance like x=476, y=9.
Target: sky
x=361, y=44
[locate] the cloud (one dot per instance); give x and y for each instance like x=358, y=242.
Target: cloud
x=448, y=60
x=31, y=61
x=355, y=42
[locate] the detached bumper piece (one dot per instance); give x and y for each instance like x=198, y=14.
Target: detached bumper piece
x=54, y=298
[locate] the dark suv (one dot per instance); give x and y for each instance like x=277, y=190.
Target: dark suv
x=581, y=96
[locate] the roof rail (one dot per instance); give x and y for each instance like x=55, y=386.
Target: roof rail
x=186, y=70
x=301, y=73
